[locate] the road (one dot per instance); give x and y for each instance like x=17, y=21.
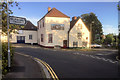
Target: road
x=75, y=64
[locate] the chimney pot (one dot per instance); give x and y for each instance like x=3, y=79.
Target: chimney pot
x=74, y=18
x=49, y=8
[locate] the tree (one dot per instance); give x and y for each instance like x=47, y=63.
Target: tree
x=97, y=31
x=109, y=39
x=4, y=16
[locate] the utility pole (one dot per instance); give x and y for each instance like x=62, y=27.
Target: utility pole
x=9, y=60
x=91, y=33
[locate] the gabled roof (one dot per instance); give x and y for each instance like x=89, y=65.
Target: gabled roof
x=29, y=26
x=73, y=22
x=55, y=13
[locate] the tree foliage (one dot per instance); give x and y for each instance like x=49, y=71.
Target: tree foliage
x=118, y=5
x=4, y=16
x=109, y=39
x=97, y=31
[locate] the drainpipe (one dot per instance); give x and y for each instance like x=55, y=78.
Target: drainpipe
x=68, y=40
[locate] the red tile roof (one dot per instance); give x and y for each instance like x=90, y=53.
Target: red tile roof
x=55, y=13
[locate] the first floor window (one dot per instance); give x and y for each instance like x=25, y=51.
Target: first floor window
x=30, y=36
x=41, y=37
x=75, y=44
x=79, y=35
x=50, y=40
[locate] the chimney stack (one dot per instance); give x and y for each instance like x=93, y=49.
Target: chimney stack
x=74, y=18
x=49, y=8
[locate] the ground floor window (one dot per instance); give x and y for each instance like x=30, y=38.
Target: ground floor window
x=41, y=37
x=50, y=38
x=30, y=36
x=84, y=44
x=75, y=44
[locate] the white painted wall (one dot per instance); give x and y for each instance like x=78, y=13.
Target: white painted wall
x=77, y=29
x=25, y=33
x=41, y=31
x=58, y=35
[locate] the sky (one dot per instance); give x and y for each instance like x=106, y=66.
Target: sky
x=106, y=12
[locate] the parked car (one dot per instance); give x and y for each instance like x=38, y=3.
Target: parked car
x=96, y=46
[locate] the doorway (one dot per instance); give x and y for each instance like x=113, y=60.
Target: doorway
x=64, y=43
x=20, y=39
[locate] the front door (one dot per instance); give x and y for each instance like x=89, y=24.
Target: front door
x=20, y=39
x=64, y=43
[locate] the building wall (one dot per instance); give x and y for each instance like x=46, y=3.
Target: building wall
x=25, y=33
x=58, y=35
x=41, y=30
x=73, y=34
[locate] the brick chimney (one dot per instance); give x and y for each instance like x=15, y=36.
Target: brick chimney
x=74, y=18
x=49, y=8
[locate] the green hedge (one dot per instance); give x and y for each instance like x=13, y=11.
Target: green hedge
x=5, y=57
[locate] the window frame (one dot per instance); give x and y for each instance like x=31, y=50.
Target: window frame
x=42, y=39
x=50, y=38
x=30, y=37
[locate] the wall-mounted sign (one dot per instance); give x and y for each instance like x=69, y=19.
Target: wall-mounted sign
x=57, y=26
x=17, y=20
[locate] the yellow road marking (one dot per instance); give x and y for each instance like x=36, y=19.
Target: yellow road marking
x=52, y=73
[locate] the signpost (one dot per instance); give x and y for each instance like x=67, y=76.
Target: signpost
x=13, y=20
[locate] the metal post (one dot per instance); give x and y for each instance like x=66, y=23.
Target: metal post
x=9, y=61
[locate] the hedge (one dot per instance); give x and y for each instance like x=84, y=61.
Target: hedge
x=5, y=57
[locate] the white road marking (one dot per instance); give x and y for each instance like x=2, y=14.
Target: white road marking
x=96, y=57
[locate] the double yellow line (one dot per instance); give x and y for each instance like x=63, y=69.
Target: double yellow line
x=52, y=73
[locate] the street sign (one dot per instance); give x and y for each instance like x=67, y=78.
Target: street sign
x=17, y=20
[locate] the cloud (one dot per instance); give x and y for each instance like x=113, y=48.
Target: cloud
x=110, y=29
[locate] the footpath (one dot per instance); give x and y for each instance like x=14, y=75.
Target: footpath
x=24, y=67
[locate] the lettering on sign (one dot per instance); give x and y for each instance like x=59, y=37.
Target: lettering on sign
x=57, y=26
x=17, y=20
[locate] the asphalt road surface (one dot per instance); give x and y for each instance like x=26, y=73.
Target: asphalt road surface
x=76, y=64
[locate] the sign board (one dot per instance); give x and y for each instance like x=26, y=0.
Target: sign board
x=17, y=20
x=57, y=26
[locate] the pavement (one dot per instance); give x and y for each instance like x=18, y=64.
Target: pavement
x=76, y=64
x=24, y=67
